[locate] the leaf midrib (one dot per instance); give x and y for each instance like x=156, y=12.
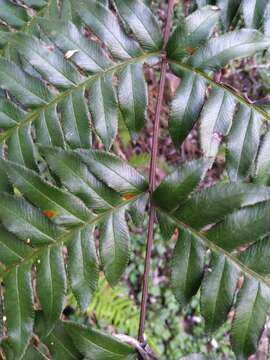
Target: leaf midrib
x=247, y=327
x=217, y=294
x=87, y=184
x=84, y=259
x=47, y=127
x=136, y=186
x=243, y=144
x=19, y=302
x=181, y=45
x=75, y=117
x=191, y=92
x=217, y=117
x=121, y=35
x=50, y=199
x=51, y=292
x=221, y=53
x=77, y=46
x=102, y=348
x=62, y=345
x=40, y=231
x=11, y=250
x=142, y=23
x=104, y=114
x=20, y=84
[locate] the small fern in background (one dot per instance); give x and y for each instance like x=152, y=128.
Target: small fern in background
x=113, y=310
x=112, y=307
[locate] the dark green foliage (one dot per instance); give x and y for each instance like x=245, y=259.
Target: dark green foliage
x=187, y=267
x=96, y=345
x=69, y=71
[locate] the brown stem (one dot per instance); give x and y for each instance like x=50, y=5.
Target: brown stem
x=152, y=174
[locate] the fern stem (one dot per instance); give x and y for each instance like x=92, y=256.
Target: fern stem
x=152, y=174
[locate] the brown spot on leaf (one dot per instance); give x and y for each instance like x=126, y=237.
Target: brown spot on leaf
x=128, y=196
x=49, y=213
x=190, y=50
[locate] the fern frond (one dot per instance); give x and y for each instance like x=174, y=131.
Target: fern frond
x=221, y=218
x=68, y=72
